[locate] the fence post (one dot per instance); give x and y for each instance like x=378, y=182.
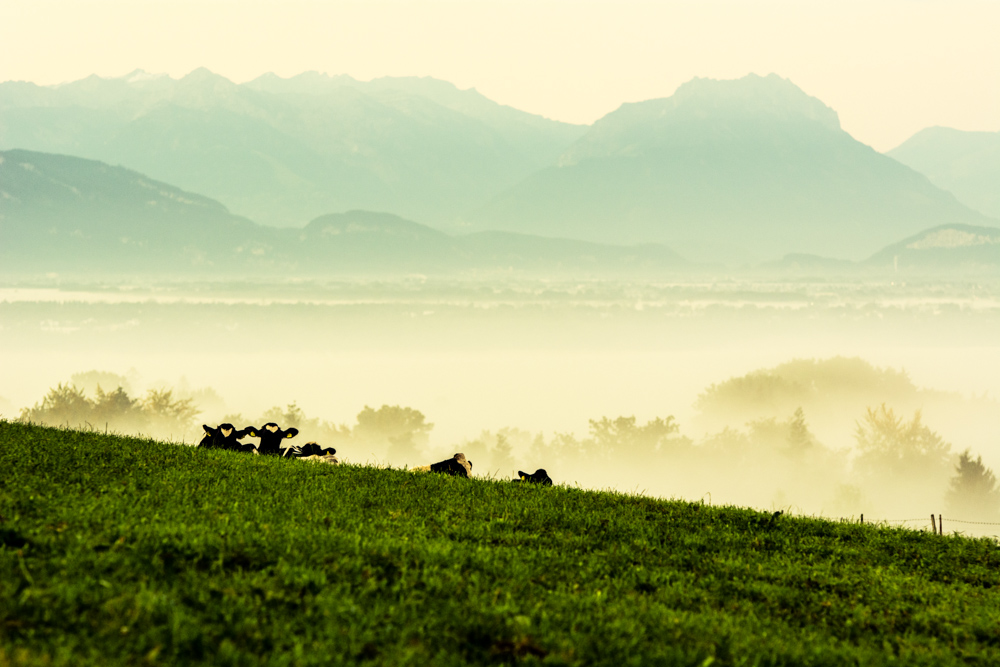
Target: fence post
x=933, y=525
x=940, y=525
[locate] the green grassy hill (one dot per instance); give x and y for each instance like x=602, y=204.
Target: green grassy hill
x=123, y=551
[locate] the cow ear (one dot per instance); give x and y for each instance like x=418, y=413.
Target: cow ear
x=252, y=431
x=291, y=433
x=242, y=433
x=208, y=429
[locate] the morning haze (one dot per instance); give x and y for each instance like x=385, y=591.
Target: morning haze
x=713, y=288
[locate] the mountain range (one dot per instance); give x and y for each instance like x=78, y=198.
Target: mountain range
x=964, y=163
x=282, y=151
x=67, y=214
x=736, y=171
x=733, y=170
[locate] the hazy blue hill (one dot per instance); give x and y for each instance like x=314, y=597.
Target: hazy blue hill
x=964, y=163
x=360, y=241
x=283, y=151
x=945, y=248
x=67, y=214
x=58, y=211
x=742, y=170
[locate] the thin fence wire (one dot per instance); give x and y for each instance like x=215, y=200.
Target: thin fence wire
x=977, y=523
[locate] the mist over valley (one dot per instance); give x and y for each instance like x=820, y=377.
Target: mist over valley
x=660, y=302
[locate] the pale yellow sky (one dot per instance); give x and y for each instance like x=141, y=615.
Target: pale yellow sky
x=889, y=67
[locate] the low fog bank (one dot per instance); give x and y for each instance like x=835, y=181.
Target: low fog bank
x=760, y=445
x=726, y=390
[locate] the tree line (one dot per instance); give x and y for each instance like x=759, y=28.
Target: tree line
x=896, y=466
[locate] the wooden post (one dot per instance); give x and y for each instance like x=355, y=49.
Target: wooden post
x=862, y=519
x=940, y=525
x=933, y=525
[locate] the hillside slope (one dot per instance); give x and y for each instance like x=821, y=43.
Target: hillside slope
x=966, y=164
x=945, y=248
x=119, y=551
x=739, y=171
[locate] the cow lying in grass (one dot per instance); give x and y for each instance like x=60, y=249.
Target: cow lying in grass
x=270, y=436
x=225, y=436
x=312, y=452
x=537, y=477
x=457, y=466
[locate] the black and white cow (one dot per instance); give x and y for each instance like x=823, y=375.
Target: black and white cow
x=225, y=436
x=270, y=435
x=309, y=449
x=537, y=477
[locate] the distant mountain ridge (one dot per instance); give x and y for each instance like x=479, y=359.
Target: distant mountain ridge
x=734, y=170
x=66, y=214
x=964, y=163
x=282, y=151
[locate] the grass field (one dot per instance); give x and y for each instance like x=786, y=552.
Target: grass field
x=120, y=551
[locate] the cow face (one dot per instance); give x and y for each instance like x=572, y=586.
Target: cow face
x=224, y=436
x=271, y=435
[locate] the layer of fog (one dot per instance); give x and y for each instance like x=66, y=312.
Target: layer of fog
x=541, y=359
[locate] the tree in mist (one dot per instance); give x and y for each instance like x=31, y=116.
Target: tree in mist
x=901, y=463
x=404, y=430
x=291, y=416
x=64, y=405
x=890, y=446
x=800, y=440
x=118, y=411
x=167, y=414
x=973, y=493
x=624, y=436
x=502, y=460
x=823, y=387
x=158, y=413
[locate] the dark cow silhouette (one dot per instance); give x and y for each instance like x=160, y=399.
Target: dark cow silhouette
x=225, y=436
x=538, y=477
x=458, y=465
x=270, y=435
x=310, y=449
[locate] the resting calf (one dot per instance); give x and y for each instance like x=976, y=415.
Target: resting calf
x=458, y=466
x=538, y=477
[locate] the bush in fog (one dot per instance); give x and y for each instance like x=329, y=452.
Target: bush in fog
x=159, y=413
x=402, y=433
x=825, y=388
x=775, y=463
x=64, y=405
x=893, y=449
x=501, y=454
x=973, y=493
x=904, y=464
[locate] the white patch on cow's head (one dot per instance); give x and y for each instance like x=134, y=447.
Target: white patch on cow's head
x=273, y=428
x=226, y=431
